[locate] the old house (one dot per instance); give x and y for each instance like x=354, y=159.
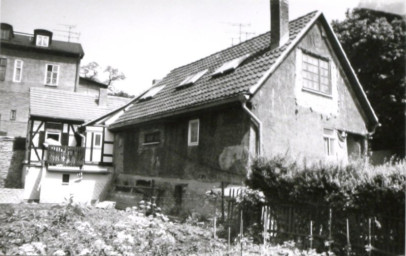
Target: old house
x=63, y=159
x=289, y=91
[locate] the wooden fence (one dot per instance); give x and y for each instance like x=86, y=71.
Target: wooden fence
x=65, y=155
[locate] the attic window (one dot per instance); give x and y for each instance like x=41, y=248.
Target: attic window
x=42, y=40
x=230, y=65
x=151, y=93
x=6, y=31
x=192, y=78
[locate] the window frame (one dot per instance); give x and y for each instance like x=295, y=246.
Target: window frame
x=190, y=126
x=42, y=40
x=319, y=59
x=64, y=182
x=94, y=139
x=15, y=71
x=52, y=72
x=329, y=140
x=53, y=132
x=13, y=114
x=158, y=133
x=3, y=67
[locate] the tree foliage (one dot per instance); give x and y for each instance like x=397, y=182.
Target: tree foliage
x=375, y=45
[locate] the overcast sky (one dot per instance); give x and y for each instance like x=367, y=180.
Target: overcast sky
x=147, y=38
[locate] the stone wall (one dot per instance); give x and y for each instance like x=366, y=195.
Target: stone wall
x=12, y=154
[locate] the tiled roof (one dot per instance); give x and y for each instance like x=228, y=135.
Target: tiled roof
x=59, y=104
x=26, y=41
x=208, y=89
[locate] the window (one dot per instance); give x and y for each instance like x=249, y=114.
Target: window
x=328, y=136
x=3, y=67
x=42, y=40
x=193, y=133
x=97, y=140
x=53, y=134
x=192, y=78
x=52, y=74
x=65, y=179
x=13, y=115
x=152, y=138
x=152, y=92
x=5, y=34
x=230, y=65
x=18, y=71
x=316, y=74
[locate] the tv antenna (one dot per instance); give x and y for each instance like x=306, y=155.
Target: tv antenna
x=241, y=32
x=69, y=33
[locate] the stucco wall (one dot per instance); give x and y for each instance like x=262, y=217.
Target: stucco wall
x=294, y=119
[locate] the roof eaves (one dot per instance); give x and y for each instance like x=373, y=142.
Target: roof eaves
x=284, y=55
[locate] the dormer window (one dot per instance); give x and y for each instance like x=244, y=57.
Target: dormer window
x=230, y=65
x=42, y=37
x=192, y=79
x=6, y=31
x=42, y=41
x=152, y=92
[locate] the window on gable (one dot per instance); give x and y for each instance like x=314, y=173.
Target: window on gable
x=18, y=71
x=192, y=78
x=52, y=74
x=316, y=74
x=152, y=138
x=13, y=115
x=193, y=132
x=152, y=92
x=230, y=65
x=329, y=138
x=42, y=40
x=3, y=67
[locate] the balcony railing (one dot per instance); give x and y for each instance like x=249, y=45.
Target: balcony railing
x=67, y=156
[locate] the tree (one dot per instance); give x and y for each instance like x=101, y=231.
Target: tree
x=90, y=70
x=113, y=75
x=375, y=45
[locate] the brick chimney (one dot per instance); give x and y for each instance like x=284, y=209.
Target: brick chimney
x=102, y=100
x=279, y=23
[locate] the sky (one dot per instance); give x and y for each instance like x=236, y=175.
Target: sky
x=146, y=39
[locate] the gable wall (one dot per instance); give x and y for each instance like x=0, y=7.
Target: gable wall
x=293, y=119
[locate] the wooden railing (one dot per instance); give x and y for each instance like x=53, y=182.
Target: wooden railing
x=67, y=156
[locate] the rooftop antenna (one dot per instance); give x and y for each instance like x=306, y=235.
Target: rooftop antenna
x=240, y=32
x=68, y=33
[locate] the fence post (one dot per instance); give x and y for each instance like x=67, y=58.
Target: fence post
x=311, y=235
x=369, y=237
x=330, y=220
x=222, y=202
x=348, y=238
x=241, y=231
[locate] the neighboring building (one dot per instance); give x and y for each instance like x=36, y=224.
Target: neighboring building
x=289, y=91
x=61, y=158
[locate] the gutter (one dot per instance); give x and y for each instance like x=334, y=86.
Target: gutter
x=256, y=121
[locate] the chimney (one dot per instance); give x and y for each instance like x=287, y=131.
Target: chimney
x=102, y=97
x=279, y=23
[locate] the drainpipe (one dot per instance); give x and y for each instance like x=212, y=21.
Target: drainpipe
x=256, y=121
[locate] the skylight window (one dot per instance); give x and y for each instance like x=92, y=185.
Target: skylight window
x=192, y=78
x=231, y=65
x=151, y=93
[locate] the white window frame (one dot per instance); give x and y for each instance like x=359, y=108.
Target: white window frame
x=18, y=65
x=54, y=132
x=94, y=139
x=52, y=72
x=42, y=41
x=319, y=74
x=191, y=123
x=330, y=150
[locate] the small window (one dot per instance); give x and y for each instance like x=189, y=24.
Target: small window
x=65, y=179
x=13, y=115
x=97, y=140
x=42, y=40
x=3, y=67
x=18, y=71
x=316, y=74
x=5, y=34
x=328, y=136
x=230, y=65
x=152, y=138
x=152, y=92
x=192, y=78
x=53, y=134
x=52, y=74
x=193, y=133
